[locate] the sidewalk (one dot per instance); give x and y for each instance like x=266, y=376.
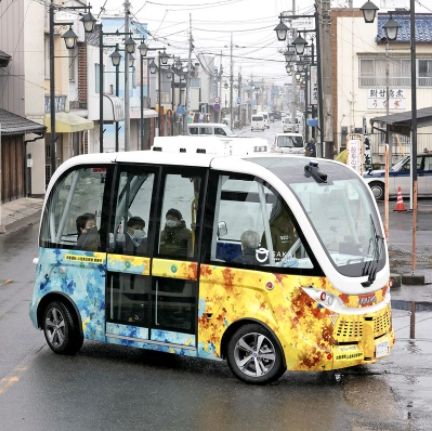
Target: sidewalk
x=19, y=213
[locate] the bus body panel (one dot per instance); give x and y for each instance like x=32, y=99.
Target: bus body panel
x=79, y=275
x=308, y=333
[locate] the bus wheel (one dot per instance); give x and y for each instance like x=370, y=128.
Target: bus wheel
x=377, y=190
x=254, y=355
x=61, y=332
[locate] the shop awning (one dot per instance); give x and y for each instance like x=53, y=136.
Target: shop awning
x=12, y=125
x=401, y=122
x=113, y=109
x=135, y=113
x=67, y=122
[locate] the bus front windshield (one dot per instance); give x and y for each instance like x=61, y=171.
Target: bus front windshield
x=342, y=214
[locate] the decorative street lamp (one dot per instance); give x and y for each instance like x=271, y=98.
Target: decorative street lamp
x=164, y=57
x=131, y=60
x=152, y=67
x=369, y=10
x=391, y=28
x=89, y=22
x=281, y=31
x=130, y=45
x=300, y=67
x=299, y=44
x=143, y=48
x=289, y=55
x=70, y=38
x=116, y=58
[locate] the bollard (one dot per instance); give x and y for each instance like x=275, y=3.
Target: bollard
x=412, y=320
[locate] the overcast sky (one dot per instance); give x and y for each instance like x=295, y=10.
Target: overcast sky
x=250, y=21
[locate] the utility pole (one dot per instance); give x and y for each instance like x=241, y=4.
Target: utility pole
x=220, y=88
x=188, y=77
x=239, y=97
x=126, y=89
x=231, y=82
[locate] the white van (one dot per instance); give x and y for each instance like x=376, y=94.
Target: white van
x=266, y=117
x=288, y=143
x=210, y=129
x=210, y=145
x=257, y=122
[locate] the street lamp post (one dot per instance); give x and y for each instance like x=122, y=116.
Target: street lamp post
x=299, y=43
x=391, y=30
x=116, y=58
x=127, y=49
x=70, y=40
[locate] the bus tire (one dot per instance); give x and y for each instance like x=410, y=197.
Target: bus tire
x=377, y=189
x=254, y=355
x=61, y=333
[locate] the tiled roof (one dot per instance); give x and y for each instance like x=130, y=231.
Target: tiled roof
x=423, y=27
x=12, y=124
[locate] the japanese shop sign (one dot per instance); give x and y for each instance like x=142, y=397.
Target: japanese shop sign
x=355, y=158
x=377, y=99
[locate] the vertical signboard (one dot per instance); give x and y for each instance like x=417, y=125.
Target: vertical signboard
x=355, y=159
x=313, y=87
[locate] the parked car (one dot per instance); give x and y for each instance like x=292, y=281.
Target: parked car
x=257, y=122
x=210, y=129
x=288, y=143
x=400, y=176
x=277, y=115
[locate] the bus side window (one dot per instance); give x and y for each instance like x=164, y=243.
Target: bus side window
x=179, y=216
x=253, y=227
x=132, y=220
x=72, y=216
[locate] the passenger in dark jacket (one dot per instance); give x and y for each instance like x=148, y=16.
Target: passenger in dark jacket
x=249, y=244
x=88, y=235
x=176, y=238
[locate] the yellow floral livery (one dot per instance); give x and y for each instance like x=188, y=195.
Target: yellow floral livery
x=311, y=336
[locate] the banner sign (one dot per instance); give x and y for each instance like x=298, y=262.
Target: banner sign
x=377, y=98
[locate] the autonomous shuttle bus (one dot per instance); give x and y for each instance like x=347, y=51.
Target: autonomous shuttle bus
x=270, y=262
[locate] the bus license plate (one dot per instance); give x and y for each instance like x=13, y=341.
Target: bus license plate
x=382, y=349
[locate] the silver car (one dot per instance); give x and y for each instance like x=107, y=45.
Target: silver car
x=400, y=176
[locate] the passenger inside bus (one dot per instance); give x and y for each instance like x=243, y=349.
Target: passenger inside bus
x=88, y=235
x=135, y=241
x=249, y=244
x=176, y=238
x=282, y=230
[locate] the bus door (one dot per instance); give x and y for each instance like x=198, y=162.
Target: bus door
x=130, y=246
x=175, y=263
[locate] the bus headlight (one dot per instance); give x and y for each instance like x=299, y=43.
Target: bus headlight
x=321, y=296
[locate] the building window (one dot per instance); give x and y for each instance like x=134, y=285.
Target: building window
x=372, y=73
x=425, y=73
x=97, y=84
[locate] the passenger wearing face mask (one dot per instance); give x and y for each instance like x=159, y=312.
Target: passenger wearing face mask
x=88, y=235
x=136, y=241
x=176, y=238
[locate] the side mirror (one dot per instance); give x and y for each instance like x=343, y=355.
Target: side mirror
x=222, y=229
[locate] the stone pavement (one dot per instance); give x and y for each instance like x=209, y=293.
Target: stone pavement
x=19, y=213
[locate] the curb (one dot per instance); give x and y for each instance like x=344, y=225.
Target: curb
x=408, y=280
x=403, y=304
x=21, y=223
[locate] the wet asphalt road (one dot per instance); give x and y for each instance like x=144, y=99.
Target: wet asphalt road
x=114, y=388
